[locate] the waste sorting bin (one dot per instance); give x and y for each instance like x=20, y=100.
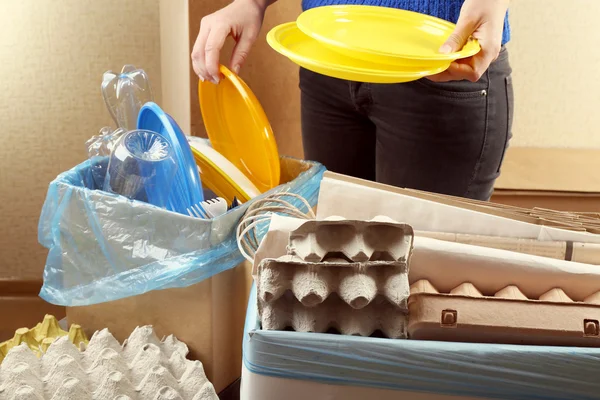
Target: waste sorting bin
x=117, y=263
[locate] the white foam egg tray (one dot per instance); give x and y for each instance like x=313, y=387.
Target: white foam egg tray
x=144, y=367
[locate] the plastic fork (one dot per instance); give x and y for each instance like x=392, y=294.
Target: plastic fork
x=197, y=211
x=215, y=207
x=209, y=208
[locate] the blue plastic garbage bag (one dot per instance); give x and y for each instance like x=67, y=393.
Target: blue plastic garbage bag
x=104, y=247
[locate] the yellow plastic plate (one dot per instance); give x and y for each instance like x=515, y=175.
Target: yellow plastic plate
x=239, y=129
x=288, y=40
x=220, y=175
x=381, y=34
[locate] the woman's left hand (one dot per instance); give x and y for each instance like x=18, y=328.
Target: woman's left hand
x=484, y=20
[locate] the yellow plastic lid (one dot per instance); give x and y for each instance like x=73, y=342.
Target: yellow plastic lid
x=238, y=128
x=381, y=34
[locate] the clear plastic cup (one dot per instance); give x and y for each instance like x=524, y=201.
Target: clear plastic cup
x=142, y=167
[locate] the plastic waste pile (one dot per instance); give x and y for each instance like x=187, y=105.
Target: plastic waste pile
x=148, y=158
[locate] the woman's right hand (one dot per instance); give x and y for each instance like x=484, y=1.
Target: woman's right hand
x=241, y=20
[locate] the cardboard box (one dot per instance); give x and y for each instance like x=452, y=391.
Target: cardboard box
x=559, y=179
x=208, y=317
x=507, y=316
x=348, y=367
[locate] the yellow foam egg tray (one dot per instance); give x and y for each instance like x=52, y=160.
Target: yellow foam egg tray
x=42, y=335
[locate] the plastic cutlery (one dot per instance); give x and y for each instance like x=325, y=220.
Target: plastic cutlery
x=215, y=207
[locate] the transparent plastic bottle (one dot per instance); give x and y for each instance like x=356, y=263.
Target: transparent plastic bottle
x=125, y=94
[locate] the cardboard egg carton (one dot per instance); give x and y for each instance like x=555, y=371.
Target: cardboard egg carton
x=39, y=338
x=356, y=284
x=334, y=313
x=358, y=241
x=507, y=316
x=350, y=276
x=144, y=367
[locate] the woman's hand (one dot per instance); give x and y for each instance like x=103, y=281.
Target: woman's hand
x=484, y=20
x=241, y=20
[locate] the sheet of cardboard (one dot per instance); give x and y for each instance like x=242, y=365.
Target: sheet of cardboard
x=208, y=317
x=357, y=199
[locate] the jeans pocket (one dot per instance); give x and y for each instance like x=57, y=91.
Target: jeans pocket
x=456, y=89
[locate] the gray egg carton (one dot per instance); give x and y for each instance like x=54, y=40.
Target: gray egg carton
x=351, y=276
x=356, y=284
x=334, y=313
x=357, y=241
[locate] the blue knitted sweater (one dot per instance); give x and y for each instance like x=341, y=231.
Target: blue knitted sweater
x=445, y=9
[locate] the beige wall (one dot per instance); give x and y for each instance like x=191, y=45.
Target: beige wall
x=53, y=55
x=556, y=59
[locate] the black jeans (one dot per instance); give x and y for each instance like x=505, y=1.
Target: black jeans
x=447, y=138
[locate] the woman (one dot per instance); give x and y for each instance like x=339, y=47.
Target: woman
x=445, y=134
